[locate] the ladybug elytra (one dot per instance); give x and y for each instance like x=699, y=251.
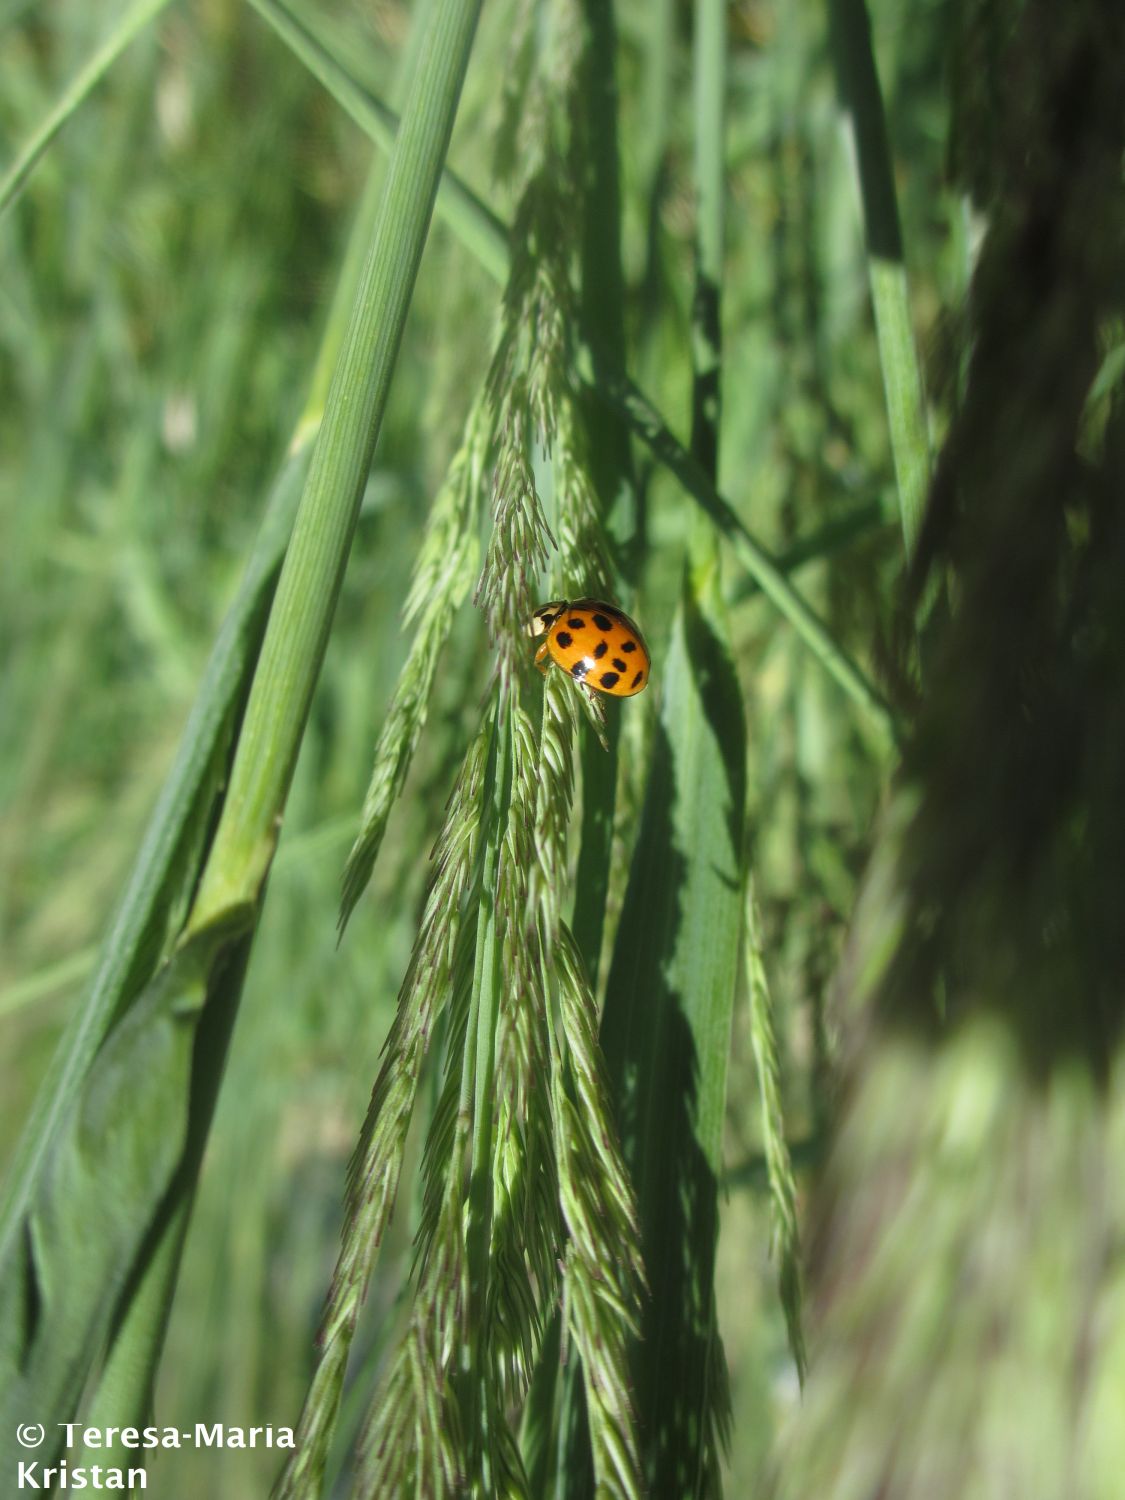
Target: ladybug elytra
x=595, y=642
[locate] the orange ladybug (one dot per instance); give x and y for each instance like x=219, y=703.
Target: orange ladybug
x=595, y=642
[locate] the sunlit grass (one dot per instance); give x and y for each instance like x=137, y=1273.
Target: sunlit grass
x=168, y=272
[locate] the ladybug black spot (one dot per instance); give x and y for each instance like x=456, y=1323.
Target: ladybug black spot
x=563, y=639
x=609, y=679
x=620, y=665
x=602, y=623
x=577, y=623
x=629, y=646
x=637, y=678
x=579, y=670
x=600, y=649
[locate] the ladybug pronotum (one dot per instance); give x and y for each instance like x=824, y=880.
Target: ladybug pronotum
x=595, y=642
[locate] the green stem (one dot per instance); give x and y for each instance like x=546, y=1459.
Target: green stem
x=297, y=634
x=851, y=525
x=886, y=263
x=125, y=30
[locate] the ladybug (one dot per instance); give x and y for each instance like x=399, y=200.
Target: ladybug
x=595, y=642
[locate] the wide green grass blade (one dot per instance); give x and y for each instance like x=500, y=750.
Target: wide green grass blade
x=669, y=1003
x=150, y=914
x=666, y=1029
x=164, y=874
x=125, y=1389
x=107, y=1174
x=77, y=1210
x=126, y=28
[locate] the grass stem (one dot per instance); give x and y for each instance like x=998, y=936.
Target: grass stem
x=886, y=261
x=297, y=634
x=127, y=27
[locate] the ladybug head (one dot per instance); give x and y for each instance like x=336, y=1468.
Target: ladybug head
x=544, y=617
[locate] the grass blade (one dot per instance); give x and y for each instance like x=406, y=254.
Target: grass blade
x=161, y=879
x=886, y=262
x=126, y=1381
x=475, y=225
x=666, y=1029
x=602, y=306
x=310, y=579
x=106, y=1177
x=126, y=29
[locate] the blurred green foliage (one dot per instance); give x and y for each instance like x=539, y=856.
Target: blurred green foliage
x=163, y=283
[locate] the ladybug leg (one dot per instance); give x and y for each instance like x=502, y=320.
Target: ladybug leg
x=542, y=660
